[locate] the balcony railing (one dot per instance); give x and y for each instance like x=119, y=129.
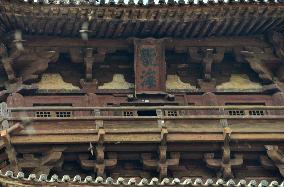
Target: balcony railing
x=241, y=112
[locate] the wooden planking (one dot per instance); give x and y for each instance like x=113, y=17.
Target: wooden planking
x=48, y=41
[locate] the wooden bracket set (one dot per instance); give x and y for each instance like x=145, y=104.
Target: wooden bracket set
x=226, y=163
x=161, y=164
x=100, y=163
x=10, y=150
x=274, y=160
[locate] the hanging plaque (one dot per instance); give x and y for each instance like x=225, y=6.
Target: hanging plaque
x=150, y=70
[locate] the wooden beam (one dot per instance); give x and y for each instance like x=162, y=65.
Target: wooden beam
x=144, y=137
x=48, y=41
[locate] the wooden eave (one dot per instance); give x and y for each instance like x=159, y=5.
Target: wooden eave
x=177, y=21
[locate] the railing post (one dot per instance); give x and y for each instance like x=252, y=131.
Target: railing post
x=100, y=148
x=99, y=122
x=223, y=122
x=4, y=115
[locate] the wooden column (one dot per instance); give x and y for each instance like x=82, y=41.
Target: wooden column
x=89, y=61
x=150, y=66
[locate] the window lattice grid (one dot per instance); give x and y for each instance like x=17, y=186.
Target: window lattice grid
x=172, y=113
x=43, y=114
x=128, y=113
x=236, y=112
x=63, y=114
x=256, y=113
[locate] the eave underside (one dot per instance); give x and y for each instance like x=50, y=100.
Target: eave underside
x=187, y=21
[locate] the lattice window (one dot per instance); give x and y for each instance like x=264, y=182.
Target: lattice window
x=43, y=114
x=4, y=112
x=256, y=113
x=128, y=113
x=57, y=114
x=63, y=114
x=236, y=112
x=171, y=113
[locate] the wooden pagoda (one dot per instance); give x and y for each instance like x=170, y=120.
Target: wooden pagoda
x=166, y=93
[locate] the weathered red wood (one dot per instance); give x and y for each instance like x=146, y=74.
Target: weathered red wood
x=150, y=66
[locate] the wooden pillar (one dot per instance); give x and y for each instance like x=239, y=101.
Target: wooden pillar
x=89, y=61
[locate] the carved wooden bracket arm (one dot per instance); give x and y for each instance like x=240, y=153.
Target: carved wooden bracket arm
x=100, y=163
x=277, y=156
x=277, y=40
x=10, y=150
x=161, y=164
x=225, y=164
x=7, y=63
x=255, y=62
x=49, y=160
x=206, y=57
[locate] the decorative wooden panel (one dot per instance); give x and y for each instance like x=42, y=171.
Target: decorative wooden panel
x=150, y=66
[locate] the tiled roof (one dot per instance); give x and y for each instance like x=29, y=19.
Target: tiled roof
x=134, y=182
x=177, y=21
x=149, y=2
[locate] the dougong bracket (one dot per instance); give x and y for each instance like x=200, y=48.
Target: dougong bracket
x=255, y=60
x=10, y=150
x=277, y=156
x=277, y=40
x=206, y=57
x=225, y=164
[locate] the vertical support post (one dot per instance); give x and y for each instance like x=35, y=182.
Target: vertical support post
x=100, y=154
x=162, y=166
x=226, y=168
x=89, y=61
x=4, y=115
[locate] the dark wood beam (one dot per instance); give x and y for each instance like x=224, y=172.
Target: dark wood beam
x=49, y=41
